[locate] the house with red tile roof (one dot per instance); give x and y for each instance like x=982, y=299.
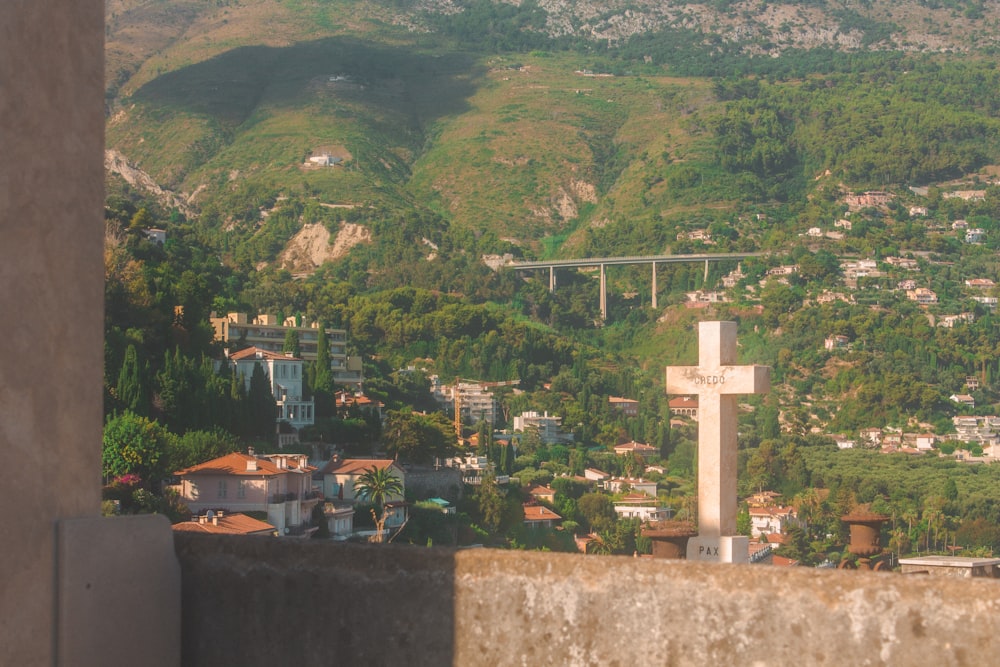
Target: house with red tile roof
x=684, y=406
x=543, y=493
x=278, y=484
x=349, y=401
x=337, y=477
x=220, y=523
x=637, y=447
x=539, y=516
x=771, y=520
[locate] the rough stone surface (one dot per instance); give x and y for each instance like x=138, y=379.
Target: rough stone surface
x=109, y=567
x=51, y=204
x=353, y=604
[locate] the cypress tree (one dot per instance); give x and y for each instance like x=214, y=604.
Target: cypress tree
x=321, y=378
x=261, y=404
x=131, y=389
x=292, y=344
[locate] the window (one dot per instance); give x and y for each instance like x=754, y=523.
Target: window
x=242, y=491
x=223, y=490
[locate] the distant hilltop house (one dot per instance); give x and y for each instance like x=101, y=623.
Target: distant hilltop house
x=701, y=297
x=156, y=235
x=918, y=211
x=843, y=442
x=626, y=405
x=871, y=199
x=907, y=263
x=733, y=277
x=949, y=321
x=975, y=235
x=697, y=235
x=963, y=399
x=988, y=301
x=324, y=160
x=837, y=342
x=635, y=448
x=980, y=283
x=862, y=268
x=922, y=295
x=966, y=195
x=959, y=225
x=829, y=297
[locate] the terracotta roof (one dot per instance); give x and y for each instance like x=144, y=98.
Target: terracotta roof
x=771, y=511
x=633, y=498
x=540, y=513
x=683, y=402
x=782, y=561
x=229, y=524
x=635, y=447
x=539, y=490
x=353, y=466
x=233, y=464
x=257, y=353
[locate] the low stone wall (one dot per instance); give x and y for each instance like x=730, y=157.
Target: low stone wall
x=426, y=482
x=265, y=601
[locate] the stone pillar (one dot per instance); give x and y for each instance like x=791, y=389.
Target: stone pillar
x=67, y=581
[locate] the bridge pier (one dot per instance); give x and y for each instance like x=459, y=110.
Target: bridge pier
x=654, y=286
x=552, y=279
x=604, y=295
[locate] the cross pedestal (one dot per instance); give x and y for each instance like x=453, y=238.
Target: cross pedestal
x=717, y=381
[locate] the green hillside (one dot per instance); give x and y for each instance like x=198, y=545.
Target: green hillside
x=857, y=145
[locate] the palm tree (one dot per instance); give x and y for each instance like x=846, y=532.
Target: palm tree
x=377, y=486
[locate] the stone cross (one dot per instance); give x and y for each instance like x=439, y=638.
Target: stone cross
x=717, y=381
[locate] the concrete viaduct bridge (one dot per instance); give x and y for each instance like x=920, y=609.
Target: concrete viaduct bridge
x=603, y=262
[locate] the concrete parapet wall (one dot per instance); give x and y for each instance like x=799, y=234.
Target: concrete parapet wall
x=260, y=601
